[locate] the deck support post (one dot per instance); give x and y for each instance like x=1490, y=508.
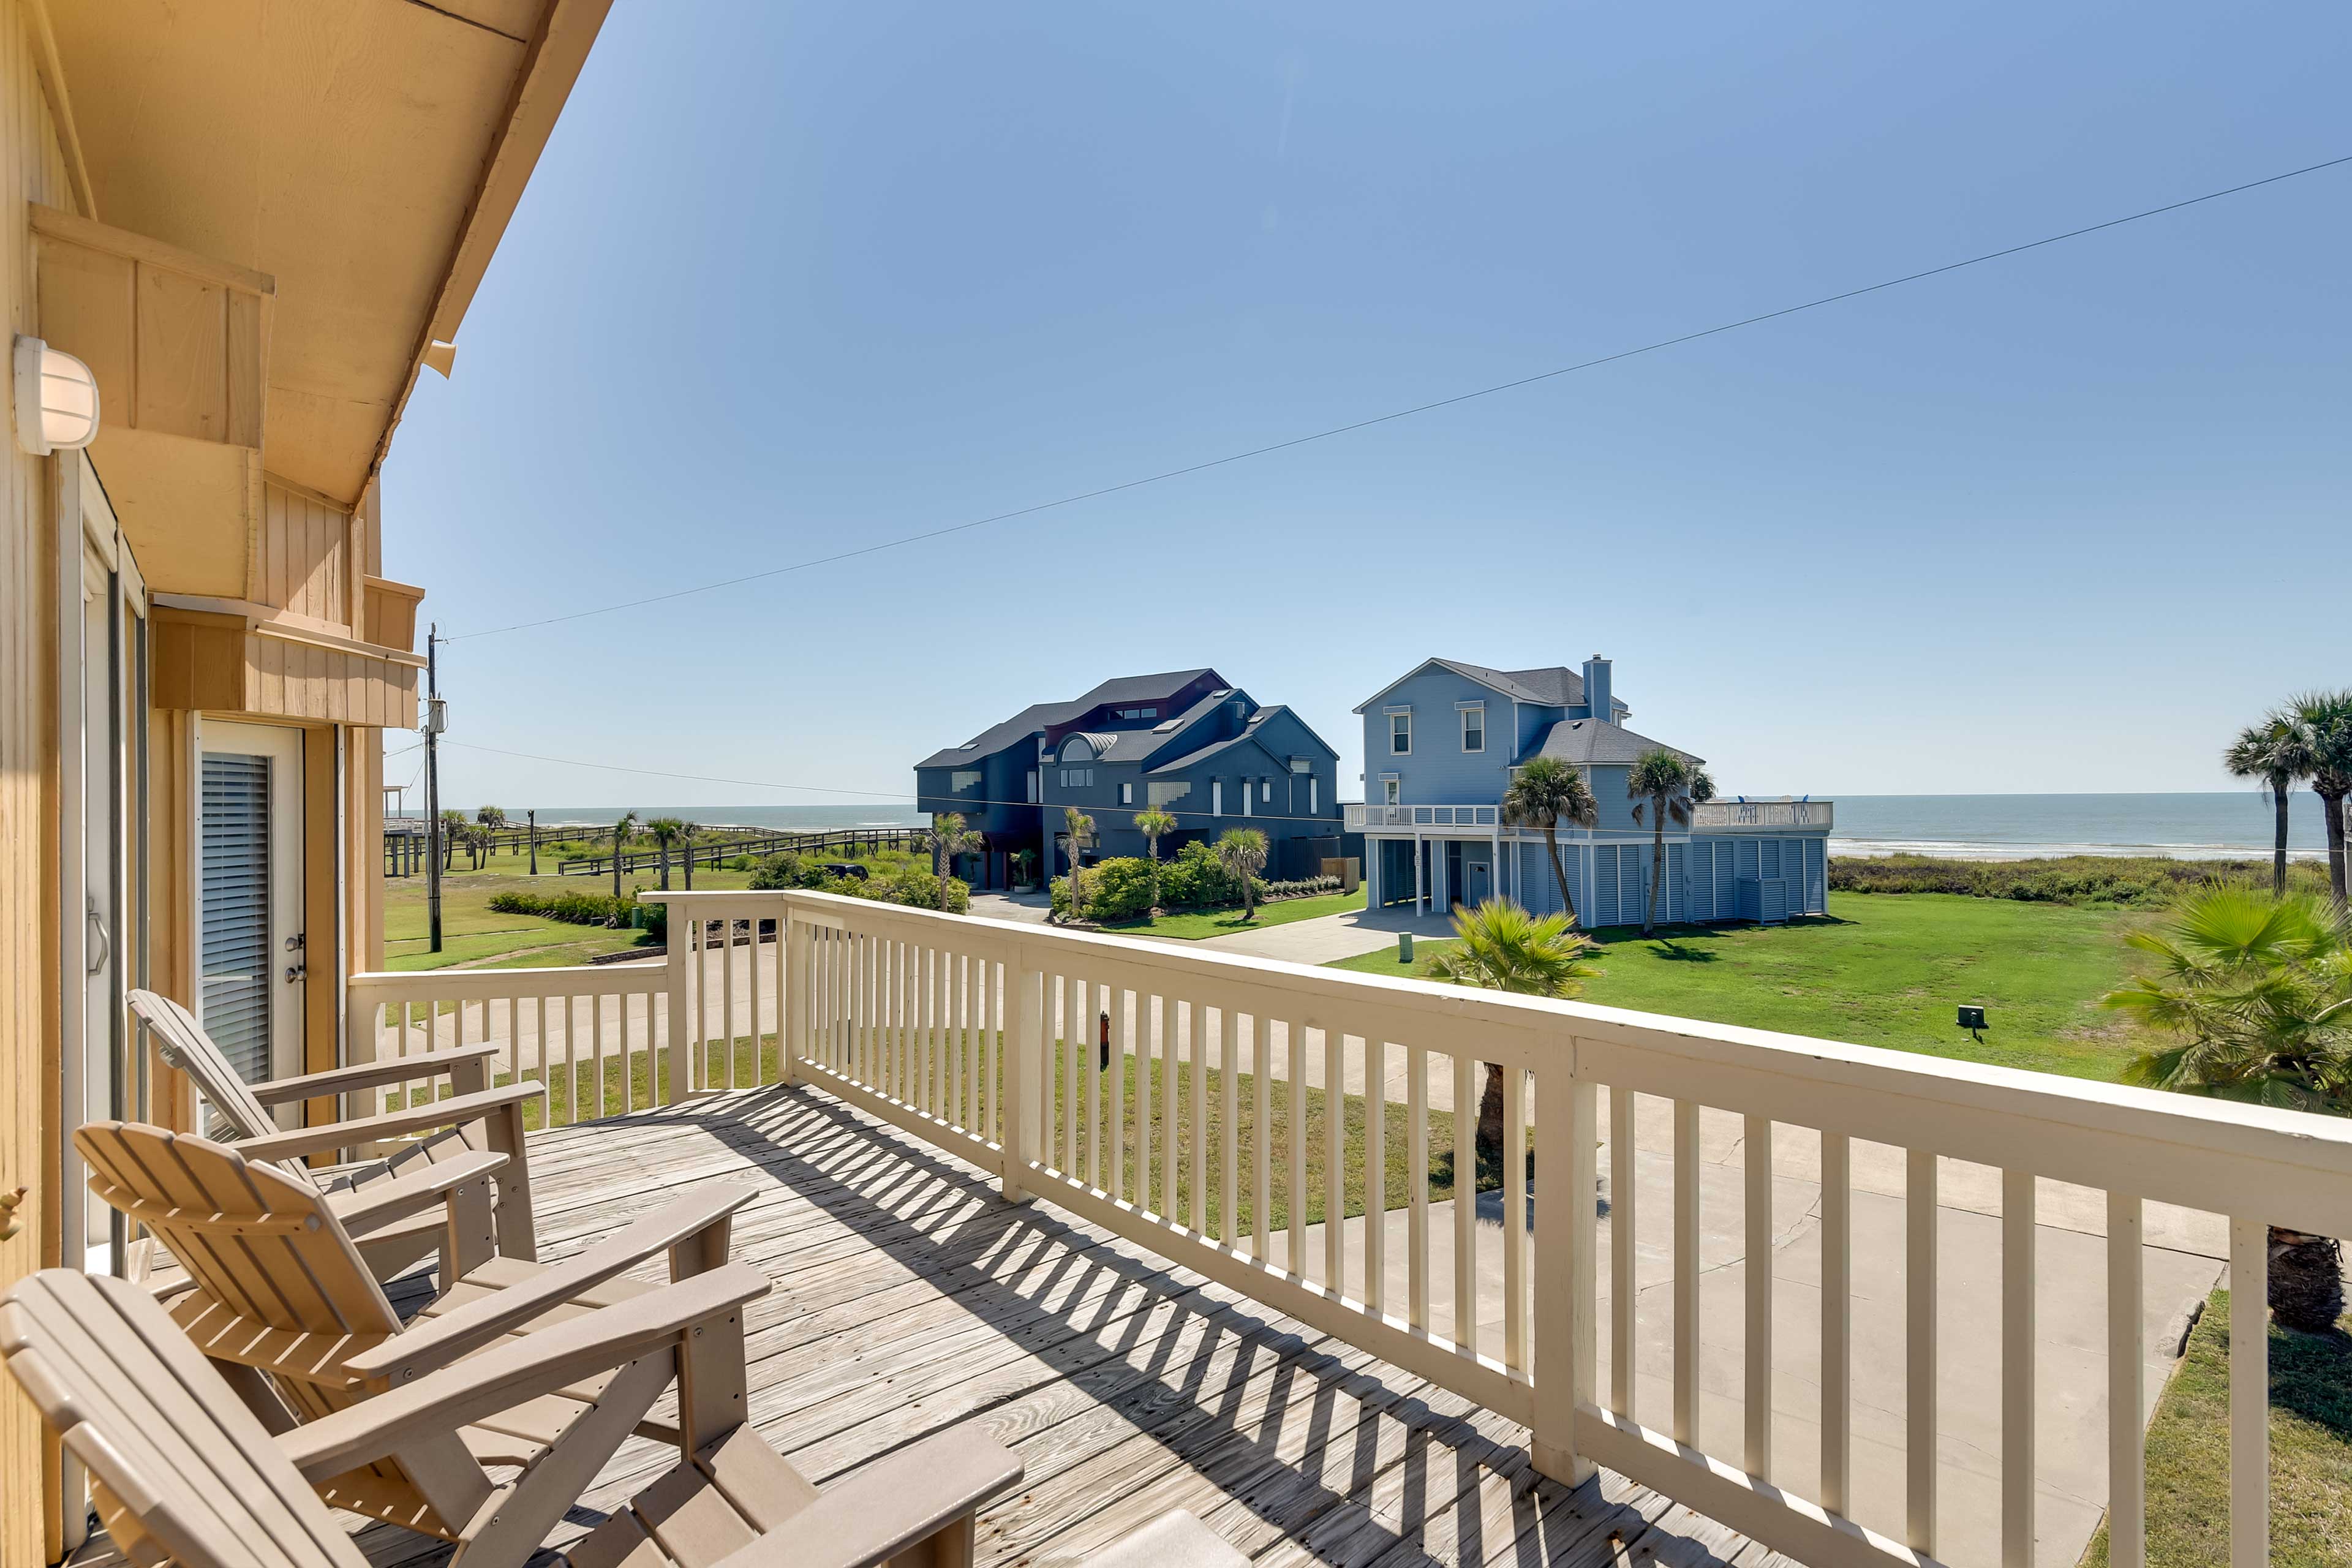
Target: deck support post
x=680, y=957
x=1567, y=1277
x=1024, y=1072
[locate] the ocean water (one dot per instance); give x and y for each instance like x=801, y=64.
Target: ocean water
x=2215, y=825
x=2219, y=825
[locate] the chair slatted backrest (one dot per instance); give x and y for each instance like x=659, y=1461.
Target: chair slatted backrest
x=184, y=1471
x=257, y=1241
x=183, y=1045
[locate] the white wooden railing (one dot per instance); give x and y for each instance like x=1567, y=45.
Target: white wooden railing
x=1358, y=815
x=1764, y=813
x=982, y=1038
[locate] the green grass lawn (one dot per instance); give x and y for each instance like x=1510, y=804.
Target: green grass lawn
x=1194, y=924
x=1883, y=970
x=2311, y=1451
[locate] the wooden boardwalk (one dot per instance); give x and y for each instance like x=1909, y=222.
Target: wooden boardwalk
x=909, y=1298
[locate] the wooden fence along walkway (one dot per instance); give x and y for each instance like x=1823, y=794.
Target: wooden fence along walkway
x=949, y=1029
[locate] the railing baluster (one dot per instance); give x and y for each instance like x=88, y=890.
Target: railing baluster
x=1919, y=1227
x=1376, y=1185
x=1089, y=1033
x=2250, y=1393
x=2017, y=1282
x=1141, y=1012
x=727, y=992
x=1164, y=1013
x=1757, y=1348
x=1515, y=1218
x=596, y=1044
x=1624, y=1270
x=1115, y=1003
x=1465, y=1202
x=1261, y=1144
x=1416, y=1175
x=1294, y=1035
x=1230, y=1134
x=1071, y=1075
x=1687, y=1272
x=1335, y=1160
x=1196, y=1036
x=1837, y=1320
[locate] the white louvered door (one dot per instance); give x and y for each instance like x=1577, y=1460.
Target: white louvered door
x=250, y=896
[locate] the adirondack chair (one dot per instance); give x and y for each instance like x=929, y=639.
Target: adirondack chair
x=477, y=1119
x=186, y=1474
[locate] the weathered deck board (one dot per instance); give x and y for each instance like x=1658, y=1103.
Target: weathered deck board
x=909, y=1298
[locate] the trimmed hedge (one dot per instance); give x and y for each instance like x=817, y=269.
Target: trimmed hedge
x=585, y=910
x=910, y=883
x=1119, y=888
x=2093, y=880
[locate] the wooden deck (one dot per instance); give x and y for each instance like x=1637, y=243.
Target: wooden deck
x=909, y=1297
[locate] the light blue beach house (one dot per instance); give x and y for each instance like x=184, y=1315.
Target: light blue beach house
x=1442, y=743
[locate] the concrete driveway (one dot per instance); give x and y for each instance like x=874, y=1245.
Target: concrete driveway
x=1329, y=938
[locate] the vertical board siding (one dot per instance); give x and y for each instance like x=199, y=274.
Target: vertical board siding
x=31, y=170
x=305, y=553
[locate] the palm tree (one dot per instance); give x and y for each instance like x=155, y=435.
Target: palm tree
x=1241, y=852
x=2256, y=996
x=686, y=832
x=1081, y=827
x=1662, y=782
x=2325, y=719
x=453, y=833
x=621, y=831
x=2278, y=753
x=1548, y=792
x=950, y=838
x=490, y=816
x=665, y=831
x=1155, y=823
x=1501, y=947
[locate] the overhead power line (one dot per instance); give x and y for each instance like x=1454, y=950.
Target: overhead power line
x=1418, y=408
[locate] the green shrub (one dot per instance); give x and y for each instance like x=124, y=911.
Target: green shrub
x=1194, y=880
x=572, y=909
x=1119, y=889
x=787, y=870
x=2092, y=879
x=1304, y=888
x=740, y=863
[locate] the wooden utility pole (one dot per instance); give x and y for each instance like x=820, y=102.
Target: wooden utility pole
x=433, y=723
x=533, y=815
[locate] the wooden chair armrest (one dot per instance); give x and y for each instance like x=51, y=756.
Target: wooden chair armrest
x=380, y=1203
x=458, y=1107
x=878, y=1510
x=455, y=1332
x=370, y=1075
x=507, y=1375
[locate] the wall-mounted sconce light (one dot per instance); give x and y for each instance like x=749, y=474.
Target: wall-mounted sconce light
x=57, y=399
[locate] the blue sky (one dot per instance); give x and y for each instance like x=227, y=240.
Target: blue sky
x=793, y=278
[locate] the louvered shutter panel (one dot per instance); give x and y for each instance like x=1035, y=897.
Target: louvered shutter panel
x=236, y=911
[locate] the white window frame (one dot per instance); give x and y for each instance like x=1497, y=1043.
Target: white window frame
x=1400, y=731
x=1032, y=787
x=1216, y=798
x=1248, y=795
x=1468, y=711
x=962, y=779
x=1391, y=790
x=1312, y=809
x=1127, y=792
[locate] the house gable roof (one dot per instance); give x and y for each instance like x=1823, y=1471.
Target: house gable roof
x=1552, y=686
x=1121, y=690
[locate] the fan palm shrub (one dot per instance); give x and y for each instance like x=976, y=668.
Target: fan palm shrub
x=626, y=824
x=2324, y=721
x=665, y=832
x=1241, y=852
x=950, y=838
x=1501, y=947
x=2277, y=751
x=1080, y=828
x=1546, y=793
x=2253, y=996
x=1664, y=785
x=1155, y=823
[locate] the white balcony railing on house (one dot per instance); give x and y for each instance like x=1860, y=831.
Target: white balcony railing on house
x=1718, y=814
x=1360, y=816
x=954, y=1029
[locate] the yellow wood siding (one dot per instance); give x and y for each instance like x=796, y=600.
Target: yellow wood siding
x=32, y=169
x=305, y=556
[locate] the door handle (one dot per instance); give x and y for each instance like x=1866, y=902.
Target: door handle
x=295, y=972
x=101, y=946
